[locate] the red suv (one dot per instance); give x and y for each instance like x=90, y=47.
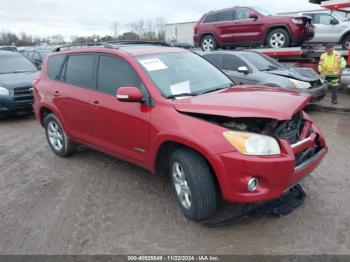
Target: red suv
x=175, y=114
x=246, y=26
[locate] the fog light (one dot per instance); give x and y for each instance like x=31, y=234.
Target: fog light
x=253, y=184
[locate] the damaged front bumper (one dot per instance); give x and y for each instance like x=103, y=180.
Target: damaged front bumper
x=317, y=93
x=276, y=174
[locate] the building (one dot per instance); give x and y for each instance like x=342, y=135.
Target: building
x=180, y=33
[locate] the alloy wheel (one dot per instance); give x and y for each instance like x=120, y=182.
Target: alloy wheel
x=277, y=40
x=55, y=135
x=181, y=186
x=208, y=44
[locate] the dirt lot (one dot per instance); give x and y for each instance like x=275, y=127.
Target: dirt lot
x=94, y=204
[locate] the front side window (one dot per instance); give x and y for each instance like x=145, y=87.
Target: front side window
x=79, y=70
x=242, y=14
x=114, y=73
x=232, y=63
x=183, y=73
x=324, y=19
x=15, y=63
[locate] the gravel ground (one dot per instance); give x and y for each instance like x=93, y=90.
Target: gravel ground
x=91, y=203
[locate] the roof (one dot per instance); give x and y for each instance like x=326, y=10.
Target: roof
x=5, y=52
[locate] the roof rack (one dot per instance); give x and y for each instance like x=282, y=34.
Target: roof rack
x=138, y=42
x=110, y=44
x=82, y=45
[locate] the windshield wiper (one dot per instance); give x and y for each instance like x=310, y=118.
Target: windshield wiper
x=215, y=89
x=179, y=95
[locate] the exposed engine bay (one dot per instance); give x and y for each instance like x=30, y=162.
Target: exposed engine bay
x=289, y=129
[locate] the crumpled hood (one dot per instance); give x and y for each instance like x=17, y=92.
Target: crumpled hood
x=17, y=80
x=302, y=74
x=247, y=101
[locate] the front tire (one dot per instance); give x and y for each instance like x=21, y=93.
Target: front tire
x=193, y=184
x=278, y=38
x=57, y=137
x=208, y=43
x=346, y=42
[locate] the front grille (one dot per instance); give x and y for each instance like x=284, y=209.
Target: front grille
x=23, y=95
x=290, y=129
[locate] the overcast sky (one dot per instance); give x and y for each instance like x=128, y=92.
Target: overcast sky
x=87, y=17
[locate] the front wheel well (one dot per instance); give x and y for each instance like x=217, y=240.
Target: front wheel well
x=284, y=27
x=344, y=36
x=205, y=34
x=163, y=158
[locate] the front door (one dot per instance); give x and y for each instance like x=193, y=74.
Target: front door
x=121, y=128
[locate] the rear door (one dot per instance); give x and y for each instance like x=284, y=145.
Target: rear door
x=231, y=63
x=121, y=128
x=225, y=26
x=72, y=95
x=246, y=29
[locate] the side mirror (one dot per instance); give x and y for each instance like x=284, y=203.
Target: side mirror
x=254, y=16
x=334, y=22
x=129, y=94
x=243, y=70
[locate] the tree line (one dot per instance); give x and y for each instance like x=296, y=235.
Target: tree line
x=147, y=30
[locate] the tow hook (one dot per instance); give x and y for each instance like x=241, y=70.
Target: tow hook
x=283, y=206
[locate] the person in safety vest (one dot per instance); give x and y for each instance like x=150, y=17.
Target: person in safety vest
x=331, y=67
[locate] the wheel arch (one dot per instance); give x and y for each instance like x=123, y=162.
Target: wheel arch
x=345, y=34
x=208, y=33
x=46, y=110
x=273, y=27
x=166, y=147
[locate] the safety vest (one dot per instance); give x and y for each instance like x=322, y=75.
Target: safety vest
x=331, y=64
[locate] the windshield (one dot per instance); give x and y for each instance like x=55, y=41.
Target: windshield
x=180, y=74
x=262, y=62
x=15, y=63
x=262, y=10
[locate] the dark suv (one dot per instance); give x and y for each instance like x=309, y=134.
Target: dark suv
x=16, y=77
x=246, y=26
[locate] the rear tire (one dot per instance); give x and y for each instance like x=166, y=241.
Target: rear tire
x=193, y=184
x=346, y=42
x=278, y=38
x=208, y=43
x=57, y=138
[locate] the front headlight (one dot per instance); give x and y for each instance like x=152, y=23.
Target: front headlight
x=300, y=84
x=297, y=21
x=4, y=91
x=253, y=144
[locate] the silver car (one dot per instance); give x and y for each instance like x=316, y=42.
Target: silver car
x=251, y=68
x=330, y=28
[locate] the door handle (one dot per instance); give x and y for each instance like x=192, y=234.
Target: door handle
x=96, y=103
x=56, y=93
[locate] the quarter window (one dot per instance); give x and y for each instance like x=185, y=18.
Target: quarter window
x=113, y=73
x=54, y=66
x=211, y=18
x=79, y=70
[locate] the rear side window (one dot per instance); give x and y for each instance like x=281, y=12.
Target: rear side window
x=54, y=66
x=113, y=73
x=79, y=70
x=215, y=59
x=211, y=18
x=232, y=62
x=226, y=16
